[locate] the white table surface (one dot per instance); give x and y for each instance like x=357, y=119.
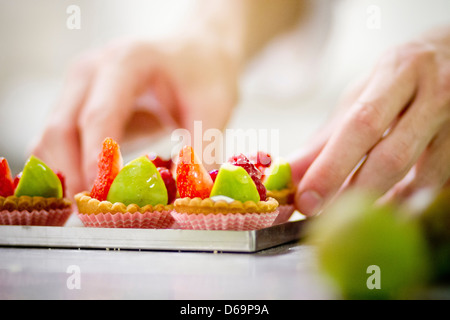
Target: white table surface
x=284, y=272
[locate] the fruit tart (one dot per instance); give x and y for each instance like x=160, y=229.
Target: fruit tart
x=231, y=198
x=278, y=182
x=135, y=195
x=34, y=197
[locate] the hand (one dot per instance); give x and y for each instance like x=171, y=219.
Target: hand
x=141, y=88
x=391, y=135
x=105, y=92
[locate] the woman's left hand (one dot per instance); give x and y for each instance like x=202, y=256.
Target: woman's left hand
x=391, y=135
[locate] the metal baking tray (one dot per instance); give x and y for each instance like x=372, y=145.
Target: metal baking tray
x=151, y=239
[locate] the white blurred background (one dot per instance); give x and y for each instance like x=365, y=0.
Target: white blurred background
x=291, y=87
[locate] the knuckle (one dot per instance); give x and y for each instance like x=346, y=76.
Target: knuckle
x=410, y=55
x=395, y=161
x=368, y=119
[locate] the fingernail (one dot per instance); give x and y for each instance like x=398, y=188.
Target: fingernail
x=309, y=203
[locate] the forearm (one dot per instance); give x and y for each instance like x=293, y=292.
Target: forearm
x=246, y=26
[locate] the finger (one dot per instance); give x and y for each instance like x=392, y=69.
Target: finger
x=432, y=170
x=108, y=107
x=387, y=93
x=301, y=160
x=393, y=157
x=58, y=145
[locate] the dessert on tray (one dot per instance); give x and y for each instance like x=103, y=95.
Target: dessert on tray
x=277, y=178
x=135, y=195
x=231, y=198
x=34, y=197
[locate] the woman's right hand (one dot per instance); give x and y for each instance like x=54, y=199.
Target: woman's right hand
x=191, y=77
x=104, y=92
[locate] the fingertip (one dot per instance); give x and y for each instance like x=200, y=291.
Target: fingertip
x=308, y=202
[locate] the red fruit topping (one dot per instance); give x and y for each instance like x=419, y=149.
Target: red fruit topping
x=261, y=189
x=6, y=182
x=192, y=178
x=109, y=164
x=262, y=160
x=242, y=161
x=170, y=183
x=213, y=174
x=160, y=162
x=62, y=178
x=17, y=179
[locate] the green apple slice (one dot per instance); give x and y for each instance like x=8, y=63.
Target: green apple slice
x=38, y=180
x=234, y=182
x=279, y=175
x=138, y=182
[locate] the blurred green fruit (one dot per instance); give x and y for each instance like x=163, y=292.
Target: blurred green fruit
x=435, y=221
x=369, y=252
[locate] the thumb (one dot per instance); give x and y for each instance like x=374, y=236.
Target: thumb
x=302, y=159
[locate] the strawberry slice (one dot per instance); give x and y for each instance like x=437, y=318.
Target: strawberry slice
x=109, y=164
x=6, y=180
x=193, y=180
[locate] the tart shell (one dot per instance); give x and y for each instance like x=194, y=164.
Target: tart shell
x=207, y=214
x=36, y=211
x=207, y=206
x=104, y=214
x=285, y=198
